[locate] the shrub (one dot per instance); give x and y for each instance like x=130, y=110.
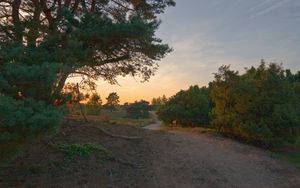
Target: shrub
x=261, y=105
x=188, y=108
x=22, y=120
x=138, y=109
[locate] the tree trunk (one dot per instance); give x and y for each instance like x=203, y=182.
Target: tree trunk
x=18, y=32
x=59, y=85
x=33, y=31
x=80, y=106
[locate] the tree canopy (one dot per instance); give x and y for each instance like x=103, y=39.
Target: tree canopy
x=112, y=100
x=159, y=101
x=95, y=100
x=261, y=105
x=46, y=41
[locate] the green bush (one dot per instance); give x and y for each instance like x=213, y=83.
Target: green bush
x=26, y=119
x=188, y=108
x=261, y=105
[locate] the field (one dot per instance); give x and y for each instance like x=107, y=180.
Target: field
x=117, y=117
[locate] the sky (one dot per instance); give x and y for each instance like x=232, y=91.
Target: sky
x=206, y=34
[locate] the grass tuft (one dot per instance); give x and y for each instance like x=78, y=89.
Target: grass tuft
x=83, y=150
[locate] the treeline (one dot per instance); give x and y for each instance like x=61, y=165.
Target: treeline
x=93, y=106
x=261, y=105
x=137, y=110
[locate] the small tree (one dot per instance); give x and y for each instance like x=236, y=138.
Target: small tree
x=157, y=102
x=164, y=99
x=95, y=100
x=223, y=95
x=94, y=104
x=112, y=101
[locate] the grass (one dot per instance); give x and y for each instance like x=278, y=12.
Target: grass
x=292, y=156
x=131, y=122
x=118, y=117
x=83, y=150
x=190, y=129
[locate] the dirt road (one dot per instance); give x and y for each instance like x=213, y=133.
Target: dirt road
x=156, y=125
x=162, y=159
x=185, y=159
x=190, y=159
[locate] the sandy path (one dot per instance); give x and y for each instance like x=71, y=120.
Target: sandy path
x=188, y=159
x=156, y=125
x=162, y=159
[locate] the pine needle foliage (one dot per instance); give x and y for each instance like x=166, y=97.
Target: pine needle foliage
x=261, y=105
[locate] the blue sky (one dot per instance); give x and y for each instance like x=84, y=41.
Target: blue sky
x=206, y=34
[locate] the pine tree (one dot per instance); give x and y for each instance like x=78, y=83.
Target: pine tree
x=44, y=42
x=112, y=101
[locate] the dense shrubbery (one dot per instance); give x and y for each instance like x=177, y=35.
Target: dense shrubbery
x=261, y=105
x=187, y=108
x=138, y=109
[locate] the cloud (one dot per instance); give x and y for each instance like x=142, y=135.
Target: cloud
x=266, y=7
x=259, y=6
x=207, y=34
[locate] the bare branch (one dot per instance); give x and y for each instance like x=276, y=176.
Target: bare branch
x=118, y=3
